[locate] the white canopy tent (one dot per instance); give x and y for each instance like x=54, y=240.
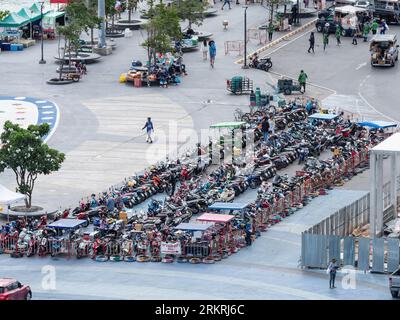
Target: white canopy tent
x=8, y=197
x=389, y=147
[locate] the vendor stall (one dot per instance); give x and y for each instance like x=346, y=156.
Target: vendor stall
x=224, y=244
x=7, y=198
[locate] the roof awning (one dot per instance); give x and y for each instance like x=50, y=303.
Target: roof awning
x=230, y=125
x=323, y=116
x=378, y=124
x=193, y=226
x=54, y=14
x=28, y=15
x=13, y=20
x=390, y=145
x=228, y=206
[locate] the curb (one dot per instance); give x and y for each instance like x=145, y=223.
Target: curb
x=279, y=40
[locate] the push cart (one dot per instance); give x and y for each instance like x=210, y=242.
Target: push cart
x=239, y=85
x=287, y=86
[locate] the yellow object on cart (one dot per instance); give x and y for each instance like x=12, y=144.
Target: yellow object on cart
x=122, y=78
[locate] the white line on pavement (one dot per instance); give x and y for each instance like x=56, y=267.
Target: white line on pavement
x=361, y=65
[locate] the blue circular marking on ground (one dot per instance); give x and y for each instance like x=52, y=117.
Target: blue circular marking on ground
x=47, y=111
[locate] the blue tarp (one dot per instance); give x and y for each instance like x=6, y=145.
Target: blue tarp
x=228, y=206
x=378, y=124
x=323, y=116
x=193, y=226
x=66, y=224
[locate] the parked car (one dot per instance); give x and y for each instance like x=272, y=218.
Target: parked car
x=11, y=289
x=394, y=283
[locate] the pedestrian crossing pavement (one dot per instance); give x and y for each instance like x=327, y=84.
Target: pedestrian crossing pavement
x=355, y=105
x=118, y=149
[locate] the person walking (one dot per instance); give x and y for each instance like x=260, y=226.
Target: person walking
x=354, y=38
x=312, y=42
x=149, y=129
x=384, y=27
x=228, y=2
x=366, y=31
x=302, y=81
x=325, y=39
x=332, y=268
x=270, y=30
x=338, y=34
x=213, y=52
x=204, y=49
x=374, y=26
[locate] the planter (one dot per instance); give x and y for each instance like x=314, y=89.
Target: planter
x=142, y=258
x=115, y=258
x=134, y=24
x=217, y=257
x=208, y=260
x=195, y=260
x=101, y=258
x=129, y=259
x=57, y=81
x=182, y=260
x=155, y=259
x=167, y=259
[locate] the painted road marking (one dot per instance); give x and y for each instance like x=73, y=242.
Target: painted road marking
x=11, y=108
x=361, y=65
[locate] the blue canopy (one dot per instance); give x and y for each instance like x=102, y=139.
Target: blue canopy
x=378, y=124
x=193, y=226
x=67, y=224
x=228, y=206
x=323, y=116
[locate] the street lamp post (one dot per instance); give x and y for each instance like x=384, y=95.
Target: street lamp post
x=245, y=66
x=42, y=61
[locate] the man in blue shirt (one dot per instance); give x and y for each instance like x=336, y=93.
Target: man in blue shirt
x=149, y=128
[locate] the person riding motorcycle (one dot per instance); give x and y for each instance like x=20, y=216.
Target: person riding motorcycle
x=254, y=60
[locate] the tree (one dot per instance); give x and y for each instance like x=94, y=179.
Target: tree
x=110, y=11
x=272, y=4
x=4, y=14
x=191, y=10
x=24, y=152
x=162, y=29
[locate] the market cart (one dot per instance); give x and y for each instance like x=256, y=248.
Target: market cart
x=247, y=223
x=224, y=244
x=387, y=126
x=63, y=228
x=287, y=86
x=199, y=246
x=239, y=85
x=322, y=116
x=224, y=137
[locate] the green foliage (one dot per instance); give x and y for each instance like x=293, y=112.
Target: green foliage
x=24, y=152
x=4, y=14
x=162, y=29
x=191, y=10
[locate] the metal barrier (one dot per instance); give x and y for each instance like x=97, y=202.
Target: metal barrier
x=237, y=46
x=201, y=249
x=378, y=255
x=257, y=34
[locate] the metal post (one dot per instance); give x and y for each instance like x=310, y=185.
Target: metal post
x=245, y=66
x=372, y=199
x=102, y=31
x=42, y=61
x=379, y=195
x=393, y=183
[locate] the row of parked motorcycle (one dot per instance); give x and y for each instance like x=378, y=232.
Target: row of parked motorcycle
x=192, y=184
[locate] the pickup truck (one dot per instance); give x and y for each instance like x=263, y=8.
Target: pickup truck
x=394, y=283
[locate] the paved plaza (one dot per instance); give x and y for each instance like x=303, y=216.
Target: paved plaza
x=98, y=124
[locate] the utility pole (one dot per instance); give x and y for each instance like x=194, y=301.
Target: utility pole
x=42, y=61
x=245, y=66
x=102, y=31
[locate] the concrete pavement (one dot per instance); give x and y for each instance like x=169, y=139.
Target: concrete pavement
x=100, y=127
